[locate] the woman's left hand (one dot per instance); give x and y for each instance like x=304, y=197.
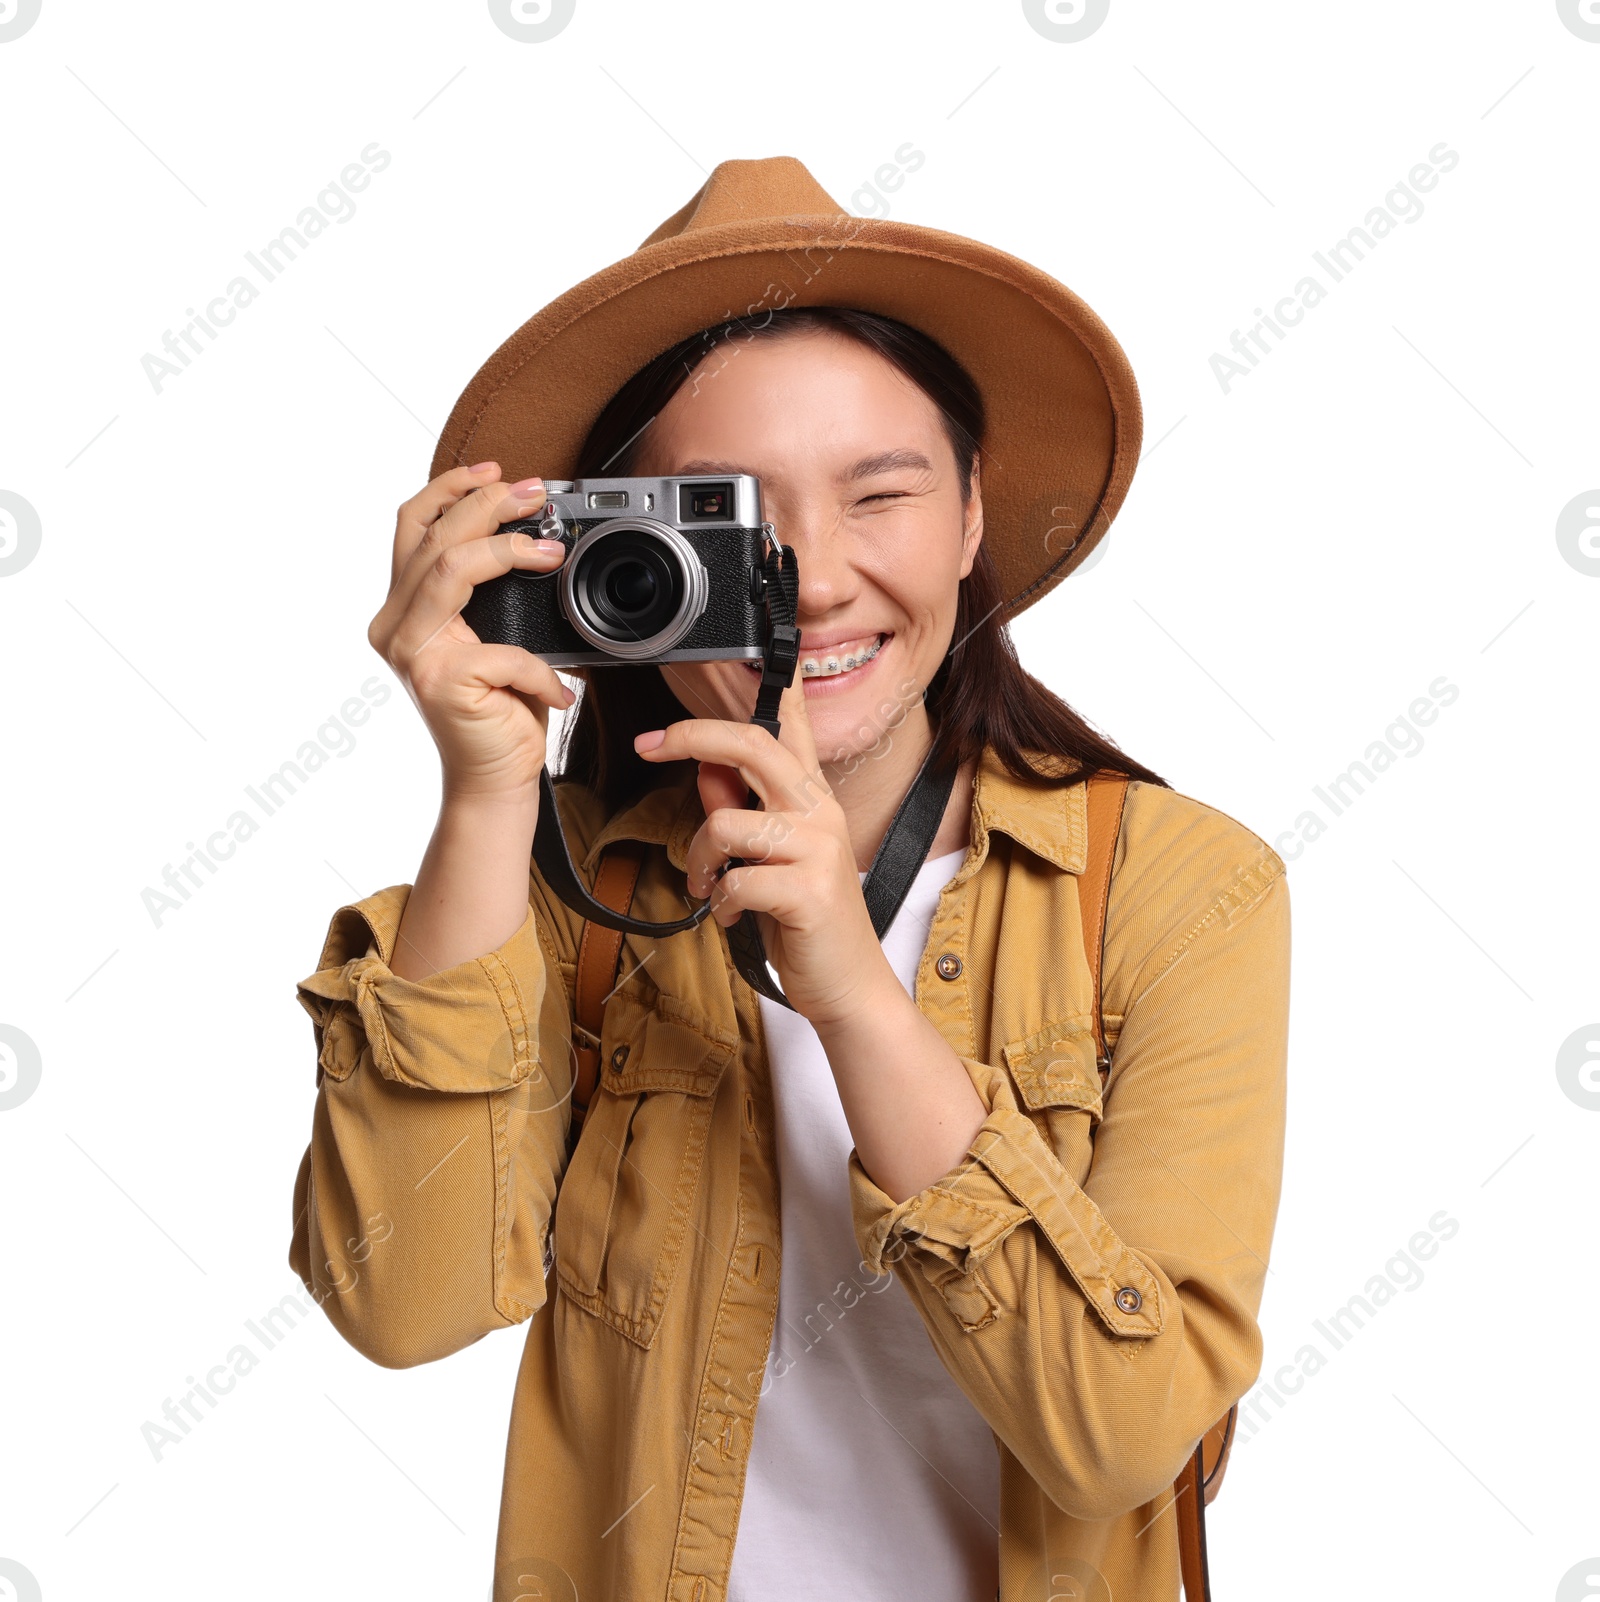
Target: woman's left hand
x=801, y=877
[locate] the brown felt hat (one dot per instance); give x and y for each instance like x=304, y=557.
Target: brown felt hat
x=1064, y=421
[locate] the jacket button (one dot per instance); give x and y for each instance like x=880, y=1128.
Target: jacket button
x=1129, y=1300
x=618, y=1057
x=948, y=965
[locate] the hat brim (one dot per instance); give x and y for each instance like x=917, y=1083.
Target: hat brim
x=1064, y=421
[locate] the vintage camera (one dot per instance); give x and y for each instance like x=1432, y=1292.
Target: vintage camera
x=657, y=570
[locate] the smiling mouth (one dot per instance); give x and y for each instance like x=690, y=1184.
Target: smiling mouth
x=834, y=663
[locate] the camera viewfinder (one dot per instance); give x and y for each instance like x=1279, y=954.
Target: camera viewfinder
x=705, y=503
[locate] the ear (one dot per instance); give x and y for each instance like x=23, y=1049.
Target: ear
x=972, y=532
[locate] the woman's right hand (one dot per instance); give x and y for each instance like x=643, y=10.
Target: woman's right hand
x=486, y=706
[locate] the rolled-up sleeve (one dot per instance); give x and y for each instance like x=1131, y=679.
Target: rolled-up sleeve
x=423, y=1202
x=470, y=1028
x=1103, y=1327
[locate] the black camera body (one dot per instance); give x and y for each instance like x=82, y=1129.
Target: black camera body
x=656, y=570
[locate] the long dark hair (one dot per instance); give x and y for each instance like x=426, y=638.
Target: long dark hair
x=981, y=694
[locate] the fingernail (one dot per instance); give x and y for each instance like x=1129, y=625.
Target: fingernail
x=571, y=694
x=524, y=490
x=482, y=467
x=550, y=547
x=649, y=740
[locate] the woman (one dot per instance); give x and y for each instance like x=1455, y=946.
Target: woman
x=1079, y=1267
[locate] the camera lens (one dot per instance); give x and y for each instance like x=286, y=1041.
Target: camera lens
x=634, y=589
x=629, y=586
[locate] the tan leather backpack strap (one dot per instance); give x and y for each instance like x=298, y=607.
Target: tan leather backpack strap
x=599, y=949
x=1215, y=1446
x=1189, y=1498
x=1193, y=1489
x=1105, y=793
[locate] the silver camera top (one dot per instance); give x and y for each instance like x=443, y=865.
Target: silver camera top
x=698, y=501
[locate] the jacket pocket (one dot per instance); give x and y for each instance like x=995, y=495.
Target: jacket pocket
x=626, y=1202
x=1055, y=1067
x=1058, y=1086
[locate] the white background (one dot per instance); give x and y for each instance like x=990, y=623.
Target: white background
x=1373, y=507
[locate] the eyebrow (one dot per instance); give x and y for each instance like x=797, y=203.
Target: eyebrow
x=868, y=467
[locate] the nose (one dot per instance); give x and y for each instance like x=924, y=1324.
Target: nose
x=828, y=576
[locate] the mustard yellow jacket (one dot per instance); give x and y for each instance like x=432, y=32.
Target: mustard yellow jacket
x=436, y=1203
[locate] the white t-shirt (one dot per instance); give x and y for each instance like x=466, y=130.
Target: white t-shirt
x=871, y=1475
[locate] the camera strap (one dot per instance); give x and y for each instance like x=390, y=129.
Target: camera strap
x=901, y=853
x=899, y=858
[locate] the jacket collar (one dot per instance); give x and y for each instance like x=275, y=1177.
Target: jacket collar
x=669, y=815
x=1052, y=823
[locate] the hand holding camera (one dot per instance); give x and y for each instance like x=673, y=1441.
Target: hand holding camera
x=493, y=587
x=486, y=703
